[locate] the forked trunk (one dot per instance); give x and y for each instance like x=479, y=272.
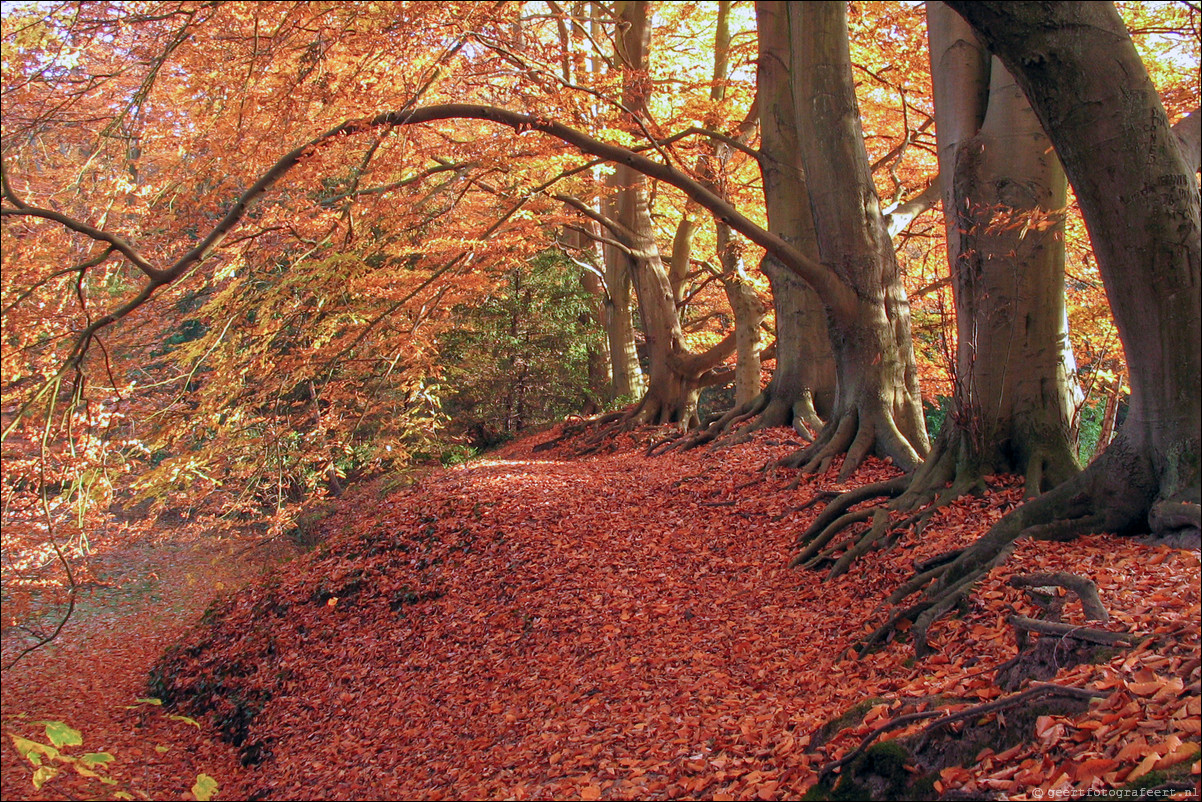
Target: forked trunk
x=1004, y=196
x=1139, y=196
x=1140, y=200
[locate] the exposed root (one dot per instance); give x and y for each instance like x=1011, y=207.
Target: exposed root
x=1083, y=587
x=574, y=431
x=715, y=427
x=943, y=718
x=857, y=434
x=1173, y=516
x=737, y=425
x=814, y=549
x=1063, y=513
x=600, y=433
x=834, y=439
x=845, y=501
x=952, y=471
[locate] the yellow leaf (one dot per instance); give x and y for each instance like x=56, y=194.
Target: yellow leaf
x=205, y=788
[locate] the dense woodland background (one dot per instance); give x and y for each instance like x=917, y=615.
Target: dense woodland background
x=913, y=286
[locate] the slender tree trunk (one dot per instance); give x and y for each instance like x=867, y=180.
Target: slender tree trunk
x=745, y=302
x=619, y=320
x=674, y=376
x=746, y=306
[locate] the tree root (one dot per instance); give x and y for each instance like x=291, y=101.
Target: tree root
x=1060, y=645
x=857, y=435
x=1057, y=629
x=599, y=433
x=1085, y=590
x=1040, y=691
x=949, y=473
x=572, y=432
x=714, y=427
x=845, y=501
x=950, y=583
x=1122, y=492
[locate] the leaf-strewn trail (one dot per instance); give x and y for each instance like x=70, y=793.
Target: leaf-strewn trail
x=535, y=626
x=138, y=598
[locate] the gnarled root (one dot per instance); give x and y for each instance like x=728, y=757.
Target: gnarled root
x=856, y=434
x=574, y=431
x=737, y=425
x=1114, y=494
x=953, y=470
x=835, y=517
x=713, y=428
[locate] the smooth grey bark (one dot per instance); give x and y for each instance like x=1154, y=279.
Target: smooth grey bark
x=745, y=303
x=747, y=309
x=628, y=381
x=802, y=391
x=1004, y=199
x=877, y=407
x=1139, y=196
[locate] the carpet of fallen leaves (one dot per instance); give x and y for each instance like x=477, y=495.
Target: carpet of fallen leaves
x=535, y=626
x=138, y=592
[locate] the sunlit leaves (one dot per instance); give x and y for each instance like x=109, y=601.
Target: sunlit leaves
x=205, y=788
x=61, y=734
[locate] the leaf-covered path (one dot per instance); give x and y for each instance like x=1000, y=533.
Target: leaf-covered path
x=144, y=592
x=621, y=627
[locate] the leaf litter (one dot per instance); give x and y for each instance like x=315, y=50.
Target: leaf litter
x=540, y=626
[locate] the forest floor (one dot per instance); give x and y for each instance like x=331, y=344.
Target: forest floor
x=530, y=625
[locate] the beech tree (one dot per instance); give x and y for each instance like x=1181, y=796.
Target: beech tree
x=1087, y=85
x=801, y=392
x=365, y=230
x=1004, y=197
x=877, y=406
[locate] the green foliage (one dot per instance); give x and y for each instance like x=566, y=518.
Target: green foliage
x=205, y=787
x=936, y=414
x=1090, y=430
x=520, y=359
x=48, y=759
x=62, y=735
x=456, y=454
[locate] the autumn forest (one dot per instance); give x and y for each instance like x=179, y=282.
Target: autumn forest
x=601, y=400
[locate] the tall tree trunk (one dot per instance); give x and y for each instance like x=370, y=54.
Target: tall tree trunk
x=1139, y=196
x=1140, y=200
x=745, y=303
x=600, y=373
x=877, y=406
x=628, y=379
x=1004, y=198
x=802, y=390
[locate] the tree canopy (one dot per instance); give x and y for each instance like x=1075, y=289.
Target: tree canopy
x=257, y=253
